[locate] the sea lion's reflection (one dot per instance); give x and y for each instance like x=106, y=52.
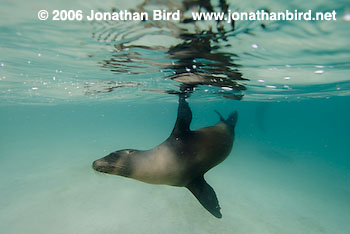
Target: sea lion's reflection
x=200, y=59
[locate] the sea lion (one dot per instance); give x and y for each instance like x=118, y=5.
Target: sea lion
x=181, y=160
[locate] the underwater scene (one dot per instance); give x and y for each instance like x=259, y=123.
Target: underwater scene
x=136, y=117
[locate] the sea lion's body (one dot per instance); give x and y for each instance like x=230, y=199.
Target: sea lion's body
x=181, y=160
x=178, y=160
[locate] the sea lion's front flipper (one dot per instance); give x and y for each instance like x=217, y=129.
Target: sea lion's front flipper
x=184, y=117
x=205, y=195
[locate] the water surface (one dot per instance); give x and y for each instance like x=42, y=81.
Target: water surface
x=72, y=92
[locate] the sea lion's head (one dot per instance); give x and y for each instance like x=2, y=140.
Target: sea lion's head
x=117, y=163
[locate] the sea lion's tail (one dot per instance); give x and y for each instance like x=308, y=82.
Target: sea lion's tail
x=231, y=120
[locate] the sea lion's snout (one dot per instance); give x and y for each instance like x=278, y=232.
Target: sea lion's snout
x=102, y=165
x=95, y=165
x=117, y=163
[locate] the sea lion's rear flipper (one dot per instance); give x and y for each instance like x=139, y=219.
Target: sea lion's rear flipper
x=184, y=117
x=205, y=195
x=231, y=120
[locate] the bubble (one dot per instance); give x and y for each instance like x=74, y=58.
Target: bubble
x=271, y=86
x=319, y=71
x=255, y=46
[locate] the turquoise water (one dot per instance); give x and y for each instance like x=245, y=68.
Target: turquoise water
x=72, y=92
